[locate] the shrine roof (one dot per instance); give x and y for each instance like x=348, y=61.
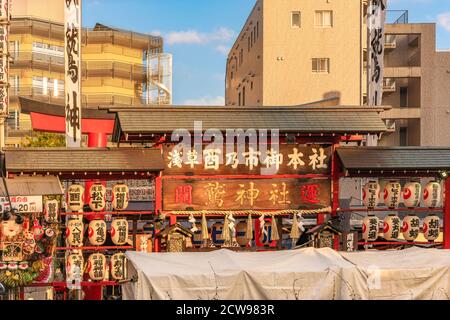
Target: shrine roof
x=138, y=122
x=32, y=186
x=82, y=160
x=376, y=159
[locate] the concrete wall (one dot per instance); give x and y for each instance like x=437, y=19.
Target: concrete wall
x=52, y=10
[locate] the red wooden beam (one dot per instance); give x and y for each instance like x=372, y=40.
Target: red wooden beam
x=421, y=209
x=57, y=124
x=95, y=248
x=215, y=177
x=447, y=214
x=83, y=284
x=399, y=243
x=124, y=213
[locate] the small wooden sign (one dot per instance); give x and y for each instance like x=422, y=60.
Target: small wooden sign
x=246, y=194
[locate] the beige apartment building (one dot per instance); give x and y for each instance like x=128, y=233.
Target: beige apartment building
x=293, y=52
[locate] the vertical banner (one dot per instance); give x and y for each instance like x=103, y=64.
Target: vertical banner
x=4, y=55
x=376, y=18
x=72, y=84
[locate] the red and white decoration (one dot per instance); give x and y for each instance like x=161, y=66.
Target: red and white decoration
x=370, y=228
x=392, y=194
x=411, y=227
x=118, y=266
x=74, y=233
x=392, y=227
x=97, y=197
x=371, y=194
x=431, y=227
x=120, y=197
x=432, y=195
x=411, y=194
x=97, y=232
x=96, y=267
x=51, y=211
x=119, y=231
x=75, y=197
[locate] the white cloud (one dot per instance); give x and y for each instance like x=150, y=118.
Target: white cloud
x=223, y=49
x=444, y=20
x=206, y=101
x=195, y=37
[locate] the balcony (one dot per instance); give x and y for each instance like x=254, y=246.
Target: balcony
x=389, y=86
x=390, y=42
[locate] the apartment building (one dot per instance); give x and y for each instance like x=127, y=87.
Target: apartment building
x=119, y=67
x=293, y=52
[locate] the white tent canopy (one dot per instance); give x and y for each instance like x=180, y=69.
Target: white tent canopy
x=295, y=274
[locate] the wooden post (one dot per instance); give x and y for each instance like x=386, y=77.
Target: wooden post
x=446, y=215
x=335, y=174
x=158, y=209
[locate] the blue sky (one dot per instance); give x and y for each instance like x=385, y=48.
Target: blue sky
x=199, y=33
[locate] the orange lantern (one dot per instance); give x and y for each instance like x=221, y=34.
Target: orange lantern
x=432, y=194
x=370, y=228
x=118, y=266
x=74, y=233
x=431, y=227
x=411, y=227
x=97, y=195
x=119, y=231
x=51, y=211
x=392, y=227
x=120, y=197
x=411, y=194
x=371, y=192
x=392, y=194
x=96, y=267
x=97, y=232
x=75, y=197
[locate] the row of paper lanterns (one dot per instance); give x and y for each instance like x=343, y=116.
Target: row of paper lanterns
x=97, y=266
x=410, y=195
x=97, y=231
x=393, y=226
x=97, y=197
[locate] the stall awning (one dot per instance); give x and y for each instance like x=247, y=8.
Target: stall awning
x=357, y=160
x=32, y=186
x=139, y=124
x=54, y=160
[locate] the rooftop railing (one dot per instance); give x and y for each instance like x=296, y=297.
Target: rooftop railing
x=397, y=16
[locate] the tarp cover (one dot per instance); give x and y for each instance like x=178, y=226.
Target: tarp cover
x=295, y=274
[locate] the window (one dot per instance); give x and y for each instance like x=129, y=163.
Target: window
x=243, y=96
x=257, y=29
x=55, y=88
x=252, y=39
x=232, y=75
x=403, y=136
x=403, y=97
x=248, y=44
x=242, y=57
x=251, y=85
x=295, y=19
x=324, y=19
x=239, y=99
x=254, y=32
x=321, y=65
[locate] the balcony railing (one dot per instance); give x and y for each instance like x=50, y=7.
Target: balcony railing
x=397, y=16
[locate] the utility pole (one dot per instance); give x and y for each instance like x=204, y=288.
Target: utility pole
x=5, y=22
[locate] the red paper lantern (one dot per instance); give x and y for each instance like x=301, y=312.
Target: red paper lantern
x=411, y=227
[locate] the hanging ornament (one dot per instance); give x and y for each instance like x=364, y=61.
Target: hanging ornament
x=226, y=236
x=75, y=197
x=97, y=195
x=120, y=197
x=411, y=227
x=97, y=232
x=262, y=228
x=392, y=227
x=74, y=266
x=249, y=231
x=205, y=234
x=119, y=231
x=38, y=230
x=74, y=233
x=432, y=195
x=370, y=228
x=274, y=235
x=96, y=266
x=431, y=227
x=411, y=194
x=51, y=211
x=295, y=232
x=192, y=221
x=118, y=266
x=371, y=194
x=392, y=195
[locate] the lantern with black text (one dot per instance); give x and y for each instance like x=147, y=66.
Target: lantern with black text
x=74, y=233
x=97, y=194
x=97, y=232
x=432, y=195
x=73, y=261
x=370, y=228
x=120, y=197
x=119, y=231
x=75, y=197
x=392, y=227
x=51, y=211
x=411, y=227
x=411, y=194
x=431, y=227
x=118, y=266
x=392, y=194
x=371, y=193
x=96, y=267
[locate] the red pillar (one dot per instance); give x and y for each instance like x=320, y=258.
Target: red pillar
x=95, y=140
x=158, y=209
x=447, y=214
x=335, y=173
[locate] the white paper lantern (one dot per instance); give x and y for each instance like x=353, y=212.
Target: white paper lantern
x=431, y=227
x=432, y=195
x=118, y=266
x=97, y=232
x=75, y=197
x=392, y=227
x=411, y=227
x=74, y=260
x=370, y=228
x=51, y=211
x=411, y=194
x=74, y=233
x=120, y=197
x=97, y=266
x=119, y=231
x=371, y=193
x=97, y=195
x=392, y=194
